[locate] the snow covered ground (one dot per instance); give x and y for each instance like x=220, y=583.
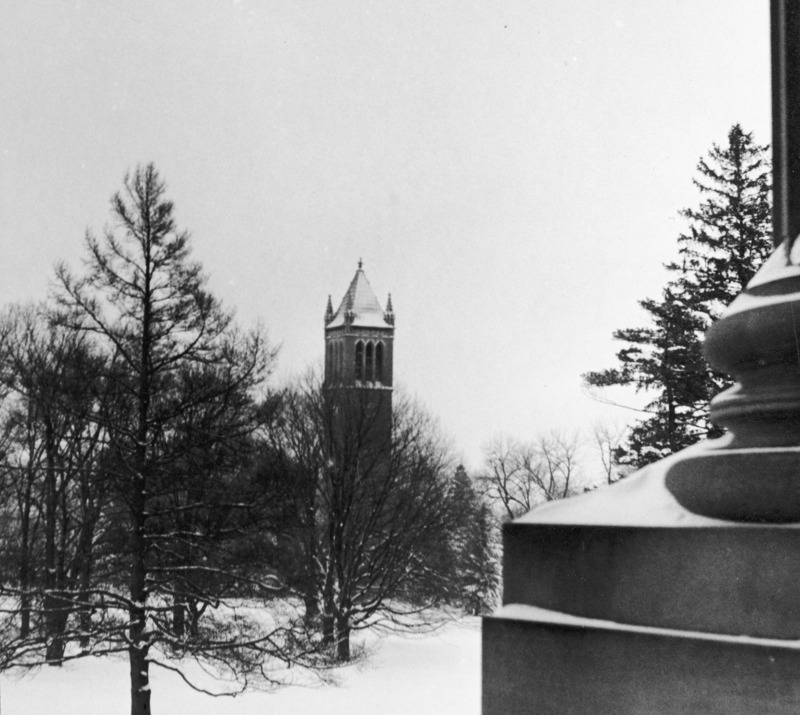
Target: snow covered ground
x=434, y=673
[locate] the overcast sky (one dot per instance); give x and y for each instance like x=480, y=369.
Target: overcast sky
x=510, y=171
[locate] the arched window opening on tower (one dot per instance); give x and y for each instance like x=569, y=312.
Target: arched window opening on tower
x=359, y=360
x=329, y=361
x=369, y=373
x=337, y=362
x=379, y=362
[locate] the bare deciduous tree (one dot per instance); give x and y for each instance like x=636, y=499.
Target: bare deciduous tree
x=371, y=504
x=608, y=438
x=50, y=377
x=519, y=475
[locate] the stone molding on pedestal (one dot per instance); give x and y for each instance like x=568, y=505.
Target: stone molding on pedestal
x=754, y=474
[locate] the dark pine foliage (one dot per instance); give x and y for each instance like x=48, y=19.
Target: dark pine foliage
x=727, y=239
x=476, y=579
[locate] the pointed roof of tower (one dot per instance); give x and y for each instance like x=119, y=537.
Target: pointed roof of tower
x=361, y=304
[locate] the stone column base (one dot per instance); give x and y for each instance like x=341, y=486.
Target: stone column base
x=538, y=662
x=622, y=601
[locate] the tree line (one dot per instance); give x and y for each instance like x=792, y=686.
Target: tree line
x=161, y=497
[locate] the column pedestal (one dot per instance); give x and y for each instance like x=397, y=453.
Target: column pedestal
x=622, y=601
x=542, y=662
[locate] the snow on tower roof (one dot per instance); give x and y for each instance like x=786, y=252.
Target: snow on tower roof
x=361, y=303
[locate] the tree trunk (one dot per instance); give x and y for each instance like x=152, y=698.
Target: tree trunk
x=178, y=619
x=343, y=638
x=85, y=619
x=25, y=615
x=55, y=609
x=196, y=610
x=140, y=679
x=327, y=630
x=138, y=650
x=56, y=613
x=84, y=568
x=24, y=573
x=328, y=608
x=140, y=683
x=25, y=536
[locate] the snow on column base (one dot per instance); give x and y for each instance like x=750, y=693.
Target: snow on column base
x=537, y=662
x=631, y=553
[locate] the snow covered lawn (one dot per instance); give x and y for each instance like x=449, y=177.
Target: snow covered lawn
x=434, y=673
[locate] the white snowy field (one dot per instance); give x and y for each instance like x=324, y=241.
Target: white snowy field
x=434, y=673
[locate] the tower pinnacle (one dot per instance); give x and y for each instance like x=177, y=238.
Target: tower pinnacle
x=388, y=314
x=359, y=338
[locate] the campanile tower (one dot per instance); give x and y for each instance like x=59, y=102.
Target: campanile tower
x=359, y=345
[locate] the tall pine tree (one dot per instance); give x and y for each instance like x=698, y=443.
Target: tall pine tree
x=727, y=239
x=473, y=551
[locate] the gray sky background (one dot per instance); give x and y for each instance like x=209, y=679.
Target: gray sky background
x=510, y=171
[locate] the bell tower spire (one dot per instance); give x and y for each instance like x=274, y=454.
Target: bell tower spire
x=359, y=339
